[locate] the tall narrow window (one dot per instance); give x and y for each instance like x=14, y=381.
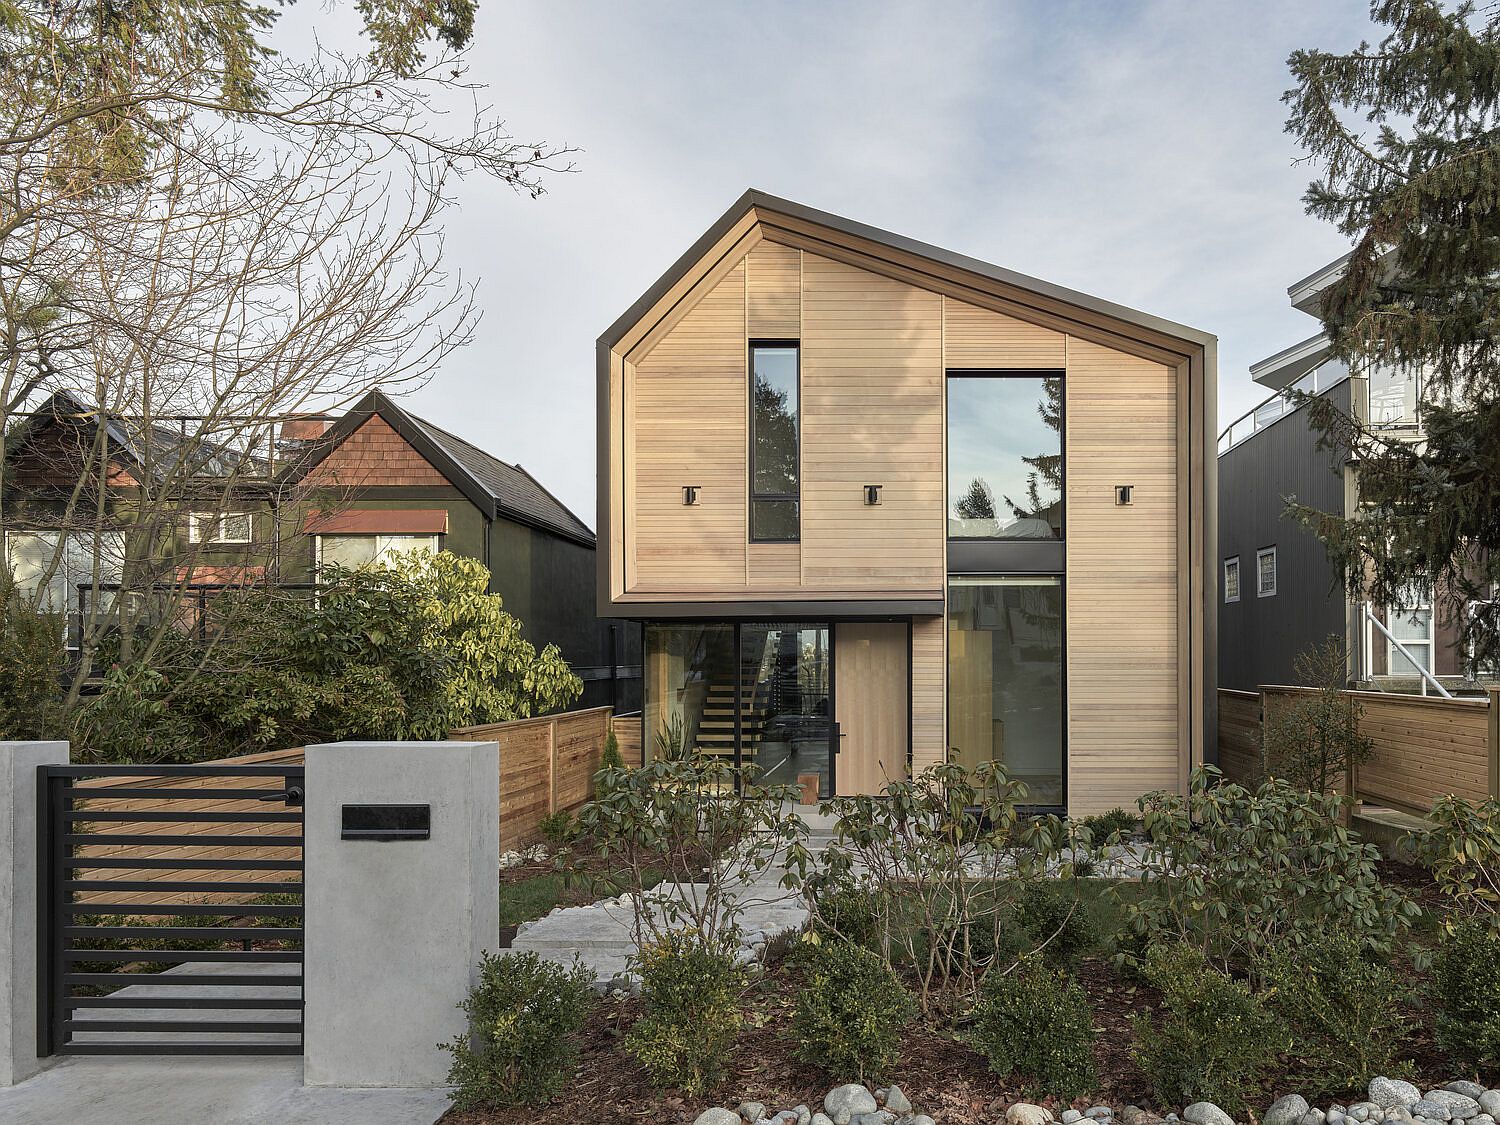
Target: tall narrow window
x=1232, y=579
x=774, y=440
x=1265, y=572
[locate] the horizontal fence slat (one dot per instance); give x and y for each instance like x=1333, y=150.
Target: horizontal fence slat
x=168, y=885
x=187, y=933
x=172, y=863
x=186, y=816
x=154, y=1047
x=207, y=840
x=236, y=1003
x=183, y=956
x=81, y=793
x=233, y=980
x=225, y=909
x=205, y=769
x=266, y=1027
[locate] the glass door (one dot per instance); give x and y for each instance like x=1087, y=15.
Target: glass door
x=784, y=714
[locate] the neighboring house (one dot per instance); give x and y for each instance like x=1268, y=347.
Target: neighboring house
x=351, y=490
x=1279, y=594
x=382, y=481
x=877, y=503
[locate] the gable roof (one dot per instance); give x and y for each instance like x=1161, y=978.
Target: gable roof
x=496, y=487
x=799, y=225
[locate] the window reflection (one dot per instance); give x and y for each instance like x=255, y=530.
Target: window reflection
x=1005, y=464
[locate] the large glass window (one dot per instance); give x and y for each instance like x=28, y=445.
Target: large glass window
x=1005, y=465
x=1393, y=396
x=774, y=438
x=1005, y=678
x=49, y=566
x=778, y=672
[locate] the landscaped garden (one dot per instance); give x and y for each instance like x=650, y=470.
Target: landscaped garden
x=1206, y=955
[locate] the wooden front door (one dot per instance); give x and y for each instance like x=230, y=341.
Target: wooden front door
x=872, y=704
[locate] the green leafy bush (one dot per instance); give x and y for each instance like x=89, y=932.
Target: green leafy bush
x=1213, y=1040
x=1057, y=923
x=522, y=1043
x=1106, y=824
x=1466, y=983
x=31, y=660
x=847, y=912
x=1312, y=739
x=1461, y=846
x=1346, y=1011
x=558, y=829
x=692, y=1013
x=406, y=651
x=1240, y=872
x=1034, y=1026
x=851, y=1010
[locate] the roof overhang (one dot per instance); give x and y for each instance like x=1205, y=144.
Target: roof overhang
x=1290, y=364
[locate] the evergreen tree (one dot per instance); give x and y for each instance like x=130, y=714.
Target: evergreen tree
x=1408, y=140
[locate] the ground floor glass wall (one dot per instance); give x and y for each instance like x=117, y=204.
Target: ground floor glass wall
x=1005, y=678
x=777, y=672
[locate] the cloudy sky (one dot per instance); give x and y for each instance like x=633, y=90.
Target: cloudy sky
x=1130, y=150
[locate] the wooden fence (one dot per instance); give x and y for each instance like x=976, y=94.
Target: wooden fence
x=1424, y=747
x=546, y=764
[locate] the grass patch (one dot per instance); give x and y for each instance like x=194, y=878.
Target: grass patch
x=526, y=900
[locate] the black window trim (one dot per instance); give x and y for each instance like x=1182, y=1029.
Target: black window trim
x=753, y=495
x=1062, y=440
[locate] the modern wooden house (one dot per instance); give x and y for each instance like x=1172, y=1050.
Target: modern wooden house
x=877, y=503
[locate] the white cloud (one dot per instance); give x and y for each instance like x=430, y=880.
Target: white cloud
x=1133, y=151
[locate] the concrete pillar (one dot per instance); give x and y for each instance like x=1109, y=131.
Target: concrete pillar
x=18, y=858
x=395, y=927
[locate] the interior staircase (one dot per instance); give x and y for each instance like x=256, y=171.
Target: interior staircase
x=716, y=730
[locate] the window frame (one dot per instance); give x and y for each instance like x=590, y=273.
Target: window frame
x=1261, y=554
x=775, y=497
x=1239, y=578
x=1043, y=373
x=213, y=523
x=434, y=546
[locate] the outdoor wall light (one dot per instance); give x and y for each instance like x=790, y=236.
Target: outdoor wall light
x=1123, y=493
x=872, y=494
x=690, y=494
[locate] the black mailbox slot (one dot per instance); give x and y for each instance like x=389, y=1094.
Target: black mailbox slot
x=387, y=822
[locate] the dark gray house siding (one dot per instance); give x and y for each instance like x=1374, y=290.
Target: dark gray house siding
x=548, y=582
x=1260, y=638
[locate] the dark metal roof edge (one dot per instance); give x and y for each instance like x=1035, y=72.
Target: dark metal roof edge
x=755, y=198
x=810, y=608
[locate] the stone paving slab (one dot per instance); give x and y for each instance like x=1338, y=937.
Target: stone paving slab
x=189, y=1090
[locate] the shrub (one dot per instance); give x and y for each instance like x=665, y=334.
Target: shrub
x=1240, y=872
x=611, y=758
x=692, y=1013
x=1466, y=980
x=524, y=1018
x=558, y=829
x=1347, y=1012
x=943, y=858
x=850, y=1010
x=845, y=911
x=1213, y=1040
x=1034, y=1025
x=1461, y=846
x=1106, y=824
x=1059, y=924
x=1310, y=740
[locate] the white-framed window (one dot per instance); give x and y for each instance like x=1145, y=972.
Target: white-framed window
x=1232, y=579
x=1412, y=627
x=219, y=527
x=354, y=552
x=1265, y=572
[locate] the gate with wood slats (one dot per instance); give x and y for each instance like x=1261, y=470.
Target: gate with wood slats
x=170, y=909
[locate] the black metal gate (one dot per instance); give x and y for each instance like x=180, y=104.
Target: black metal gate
x=170, y=909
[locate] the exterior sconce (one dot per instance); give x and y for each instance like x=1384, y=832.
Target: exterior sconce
x=690, y=495
x=872, y=494
x=1122, y=494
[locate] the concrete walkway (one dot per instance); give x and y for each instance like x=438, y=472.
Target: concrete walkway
x=198, y=1090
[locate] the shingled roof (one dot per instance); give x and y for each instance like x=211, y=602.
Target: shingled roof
x=497, y=487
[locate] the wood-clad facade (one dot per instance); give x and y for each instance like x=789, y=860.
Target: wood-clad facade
x=862, y=592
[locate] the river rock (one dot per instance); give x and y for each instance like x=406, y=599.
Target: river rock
x=717, y=1116
x=1431, y=1110
x=1389, y=1092
x=843, y=1103
x=896, y=1101
x=752, y=1111
x=1024, y=1113
x=1461, y=1107
x=1489, y=1102
x=1286, y=1110
x=1206, y=1113
x=1467, y=1089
